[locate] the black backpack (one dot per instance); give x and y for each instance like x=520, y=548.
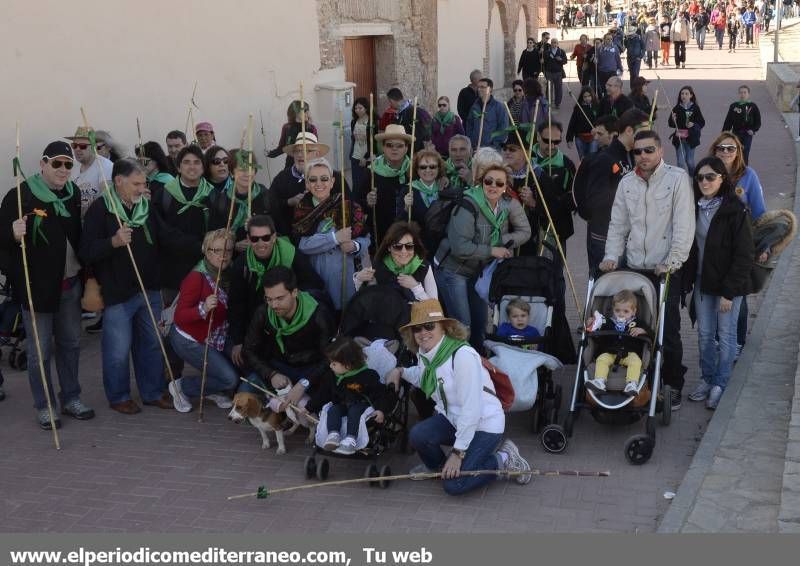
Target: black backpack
x=441, y=210
x=580, y=188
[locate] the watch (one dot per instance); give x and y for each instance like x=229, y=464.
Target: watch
x=304, y=382
x=460, y=453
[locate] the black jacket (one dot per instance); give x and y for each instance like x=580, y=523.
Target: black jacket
x=621, y=343
x=578, y=124
x=554, y=63
x=466, y=98
x=742, y=117
x=529, y=63
x=45, y=261
x=681, y=118
x=615, y=109
x=607, y=170
x=556, y=185
x=363, y=386
x=642, y=102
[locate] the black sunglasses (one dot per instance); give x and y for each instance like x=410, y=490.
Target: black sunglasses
x=400, y=247
x=708, y=177
x=488, y=181
x=549, y=142
x=649, y=150
x=426, y=167
x=57, y=163
x=264, y=238
x=442, y=105
x=428, y=326
x=219, y=161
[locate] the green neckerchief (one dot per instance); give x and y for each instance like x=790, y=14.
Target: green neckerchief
x=446, y=350
x=428, y=194
x=556, y=161
x=161, y=177
x=444, y=120
x=282, y=254
x=477, y=194
x=384, y=170
x=452, y=172
x=203, y=190
x=241, y=204
x=408, y=269
x=44, y=193
x=351, y=373
x=743, y=102
x=138, y=216
x=306, y=305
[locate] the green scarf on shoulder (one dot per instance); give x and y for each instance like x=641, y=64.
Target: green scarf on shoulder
x=44, y=193
x=306, y=306
x=241, y=214
x=428, y=194
x=476, y=193
x=452, y=173
x=384, y=170
x=351, y=373
x=282, y=254
x=160, y=177
x=446, y=351
x=203, y=190
x=138, y=216
x=408, y=269
x=444, y=120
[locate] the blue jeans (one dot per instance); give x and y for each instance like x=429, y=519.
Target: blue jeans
x=353, y=412
x=747, y=142
x=715, y=366
x=128, y=333
x=463, y=303
x=221, y=374
x=685, y=157
x=65, y=328
x=430, y=435
x=585, y=148
x=700, y=36
x=719, y=34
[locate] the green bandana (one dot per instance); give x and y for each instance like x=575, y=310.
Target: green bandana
x=139, y=214
x=444, y=120
x=556, y=161
x=428, y=194
x=429, y=381
x=160, y=177
x=306, y=305
x=282, y=254
x=241, y=204
x=203, y=190
x=351, y=373
x=44, y=193
x=408, y=269
x=477, y=194
x=384, y=170
x=452, y=173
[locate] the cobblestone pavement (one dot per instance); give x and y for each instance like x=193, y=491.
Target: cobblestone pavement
x=161, y=471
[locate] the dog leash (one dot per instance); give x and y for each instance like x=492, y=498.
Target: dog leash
x=274, y=396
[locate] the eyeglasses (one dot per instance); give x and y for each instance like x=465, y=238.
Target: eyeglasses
x=549, y=142
x=394, y=145
x=726, y=148
x=264, y=238
x=400, y=247
x=219, y=161
x=322, y=179
x=221, y=251
x=428, y=327
x=517, y=90
x=426, y=167
x=707, y=177
x=100, y=146
x=488, y=181
x=79, y=145
x=649, y=150
x=57, y=163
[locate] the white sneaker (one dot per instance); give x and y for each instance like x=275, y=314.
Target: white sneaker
x=515, y=462
x=220, y=400
x=179, y=400
x=713, y=397
x=700, y=392
x=631, y=388
x=596, y=384
x=331, y=441
x=348, y=445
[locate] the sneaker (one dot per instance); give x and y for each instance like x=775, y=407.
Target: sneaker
x=95, y=328
x=43, y=418
x=77, y=410
x=347, y=445
x=221, y=401
x=515, y=462
x=713, y=397
x=417, y=471
x=331, y=441
x=739, y=348
x=676, y=399
x=700, y=392
x=631, y=388
x=179, y=400
x=597, y=384
x=87, y=315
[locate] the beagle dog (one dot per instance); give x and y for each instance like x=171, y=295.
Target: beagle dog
x=249, y=406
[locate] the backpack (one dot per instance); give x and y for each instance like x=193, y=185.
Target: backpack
x=439, y=213
x=580, y=188
x=503, y=389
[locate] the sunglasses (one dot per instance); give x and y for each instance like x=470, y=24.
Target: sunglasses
x=264, y=238
x=219, y=161
x=442, y=105
x=726, y=148
x=426, y=167
x=394, y=145
x=322, y=179
x=428, y=327
x=488, y=181
x=401, y=247
x=79, y=145
x=707, y=177
x=517, y=90
x=649, y=150
x=57, y=163
x=100, y=146
x=549, y=142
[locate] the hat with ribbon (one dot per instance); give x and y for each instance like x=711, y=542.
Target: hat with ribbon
x=311, y=143
x=81, y=133
x=394, y=132
x=423, y=312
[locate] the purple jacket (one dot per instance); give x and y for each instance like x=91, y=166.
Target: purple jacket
x=441, y=140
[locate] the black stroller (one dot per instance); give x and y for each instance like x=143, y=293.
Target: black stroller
x=12, y=331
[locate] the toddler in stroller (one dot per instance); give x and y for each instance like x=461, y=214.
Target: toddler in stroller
x=517, y=327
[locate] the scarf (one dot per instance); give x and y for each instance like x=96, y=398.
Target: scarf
x=351, y=373
x=138, y=216
x=160, y=177
x=708, y=206
x=203, y=190
x=306, y=306
x=384, y=170
x=428, y=194
x=477, y=194
x=444, y=120
x=242, y=210
x=452, y=173
x=556, y=160
x=44, y=193
x=207, y=269
x=408, y=269
x=447, y=349
x=282, y=254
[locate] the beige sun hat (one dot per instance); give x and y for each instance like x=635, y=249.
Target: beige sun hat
x=394, y=132
x=426, y=311
x=81, y=132
x=311, y=144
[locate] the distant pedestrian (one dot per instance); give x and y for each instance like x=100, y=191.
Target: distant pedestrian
x=687, y=119
x=733, y=32
x=651, y=44
x=554, y=60
x=701, y=21
x=468, y=95
x=743, y=119
x=665, y=33
x=680, y=35
x=634, y=47
x=581, y=123
x=579, y=54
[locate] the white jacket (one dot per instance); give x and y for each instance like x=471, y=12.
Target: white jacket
x=652, y=221
x=680, y=30
x=469, y=407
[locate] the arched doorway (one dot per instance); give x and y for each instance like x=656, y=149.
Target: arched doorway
x=497, y=58
x=521, y=37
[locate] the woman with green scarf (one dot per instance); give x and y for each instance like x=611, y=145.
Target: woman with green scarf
x=468, y=417
x=430, y=179
x=444, y=126
x=218, y=166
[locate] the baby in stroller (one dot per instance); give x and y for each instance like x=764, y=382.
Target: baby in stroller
x=617, y=344
x=517, y=327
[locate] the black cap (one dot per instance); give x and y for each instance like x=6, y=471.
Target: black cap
x=57, y=149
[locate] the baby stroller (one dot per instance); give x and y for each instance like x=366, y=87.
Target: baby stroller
x=12, y=331
x=613, y=406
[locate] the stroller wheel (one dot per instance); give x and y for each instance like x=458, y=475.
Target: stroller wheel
x=310, y=466
x=536, y=418
x=554, y=439
x=386, y=471
x=371, y=472
x=638, y=449
x=22, y=361
x=568, y=424
x=666, y=405
x=323, y=467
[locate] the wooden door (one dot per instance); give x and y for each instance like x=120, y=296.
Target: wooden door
x=359, y=64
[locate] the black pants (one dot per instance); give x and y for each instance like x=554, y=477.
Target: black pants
x=680, y=52
x=602, y=77
x=353, y=412
x=672, y=369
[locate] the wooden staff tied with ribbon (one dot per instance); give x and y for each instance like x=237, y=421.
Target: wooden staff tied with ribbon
x=266, y=149
x=26, y=272
x=303, y=125
x=480, y=129
x=371, y=134
x=413, y=142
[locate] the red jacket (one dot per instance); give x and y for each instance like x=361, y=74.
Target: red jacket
x=195, y=288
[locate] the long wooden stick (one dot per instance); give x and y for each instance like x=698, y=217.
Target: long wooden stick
x=263, y=492
x=343, y=292
x=190, y=114
x=653, y=108
x=480, y=129
x=371, y=135
x=141, y=145
x=303, y=126
x=578, y=104
x=266, y=149
x=142, y=288
x=413, y=143
x=549, y=127
x=31, y=310
x=274, y=396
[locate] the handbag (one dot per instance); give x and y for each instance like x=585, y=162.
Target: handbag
x=92, y=300
x=485, y=280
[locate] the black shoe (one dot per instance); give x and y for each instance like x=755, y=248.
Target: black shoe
x=676, y=399
x=95, y=328
x=43, y=418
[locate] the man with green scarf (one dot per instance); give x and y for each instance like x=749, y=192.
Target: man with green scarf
x=555, y=172
x=126, y=321
x=458, y=166
x=51, y=226
x=285, y=342
x=266, y=250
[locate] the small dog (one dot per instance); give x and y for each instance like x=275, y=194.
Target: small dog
x=248, y=406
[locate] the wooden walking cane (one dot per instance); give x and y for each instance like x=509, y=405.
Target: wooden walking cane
x=653, y=108
x=269, y=393
x=266, y=149
x=343, y=292
x=32, y=312
x=413, y=142
x=480, y=130
x=204, y=372
x=578, y=104
x=142, y=288
x=303, y=127
x=190, y=114
x=371, y=134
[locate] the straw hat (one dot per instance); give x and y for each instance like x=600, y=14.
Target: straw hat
x=426, y=311
x=395, y=132
x=80, y=133
x=311, y=143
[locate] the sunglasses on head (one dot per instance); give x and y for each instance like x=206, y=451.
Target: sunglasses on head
x=649, y=150
x=256, y=239
x=708, y=177
x=426, y=167
x=79, y=145
x=219, y=161
x=428, y=326
x=399, y=247
x=57, y=163
x=488, y=181
x=549, y=142
x=322, y=179
x=726, y=148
